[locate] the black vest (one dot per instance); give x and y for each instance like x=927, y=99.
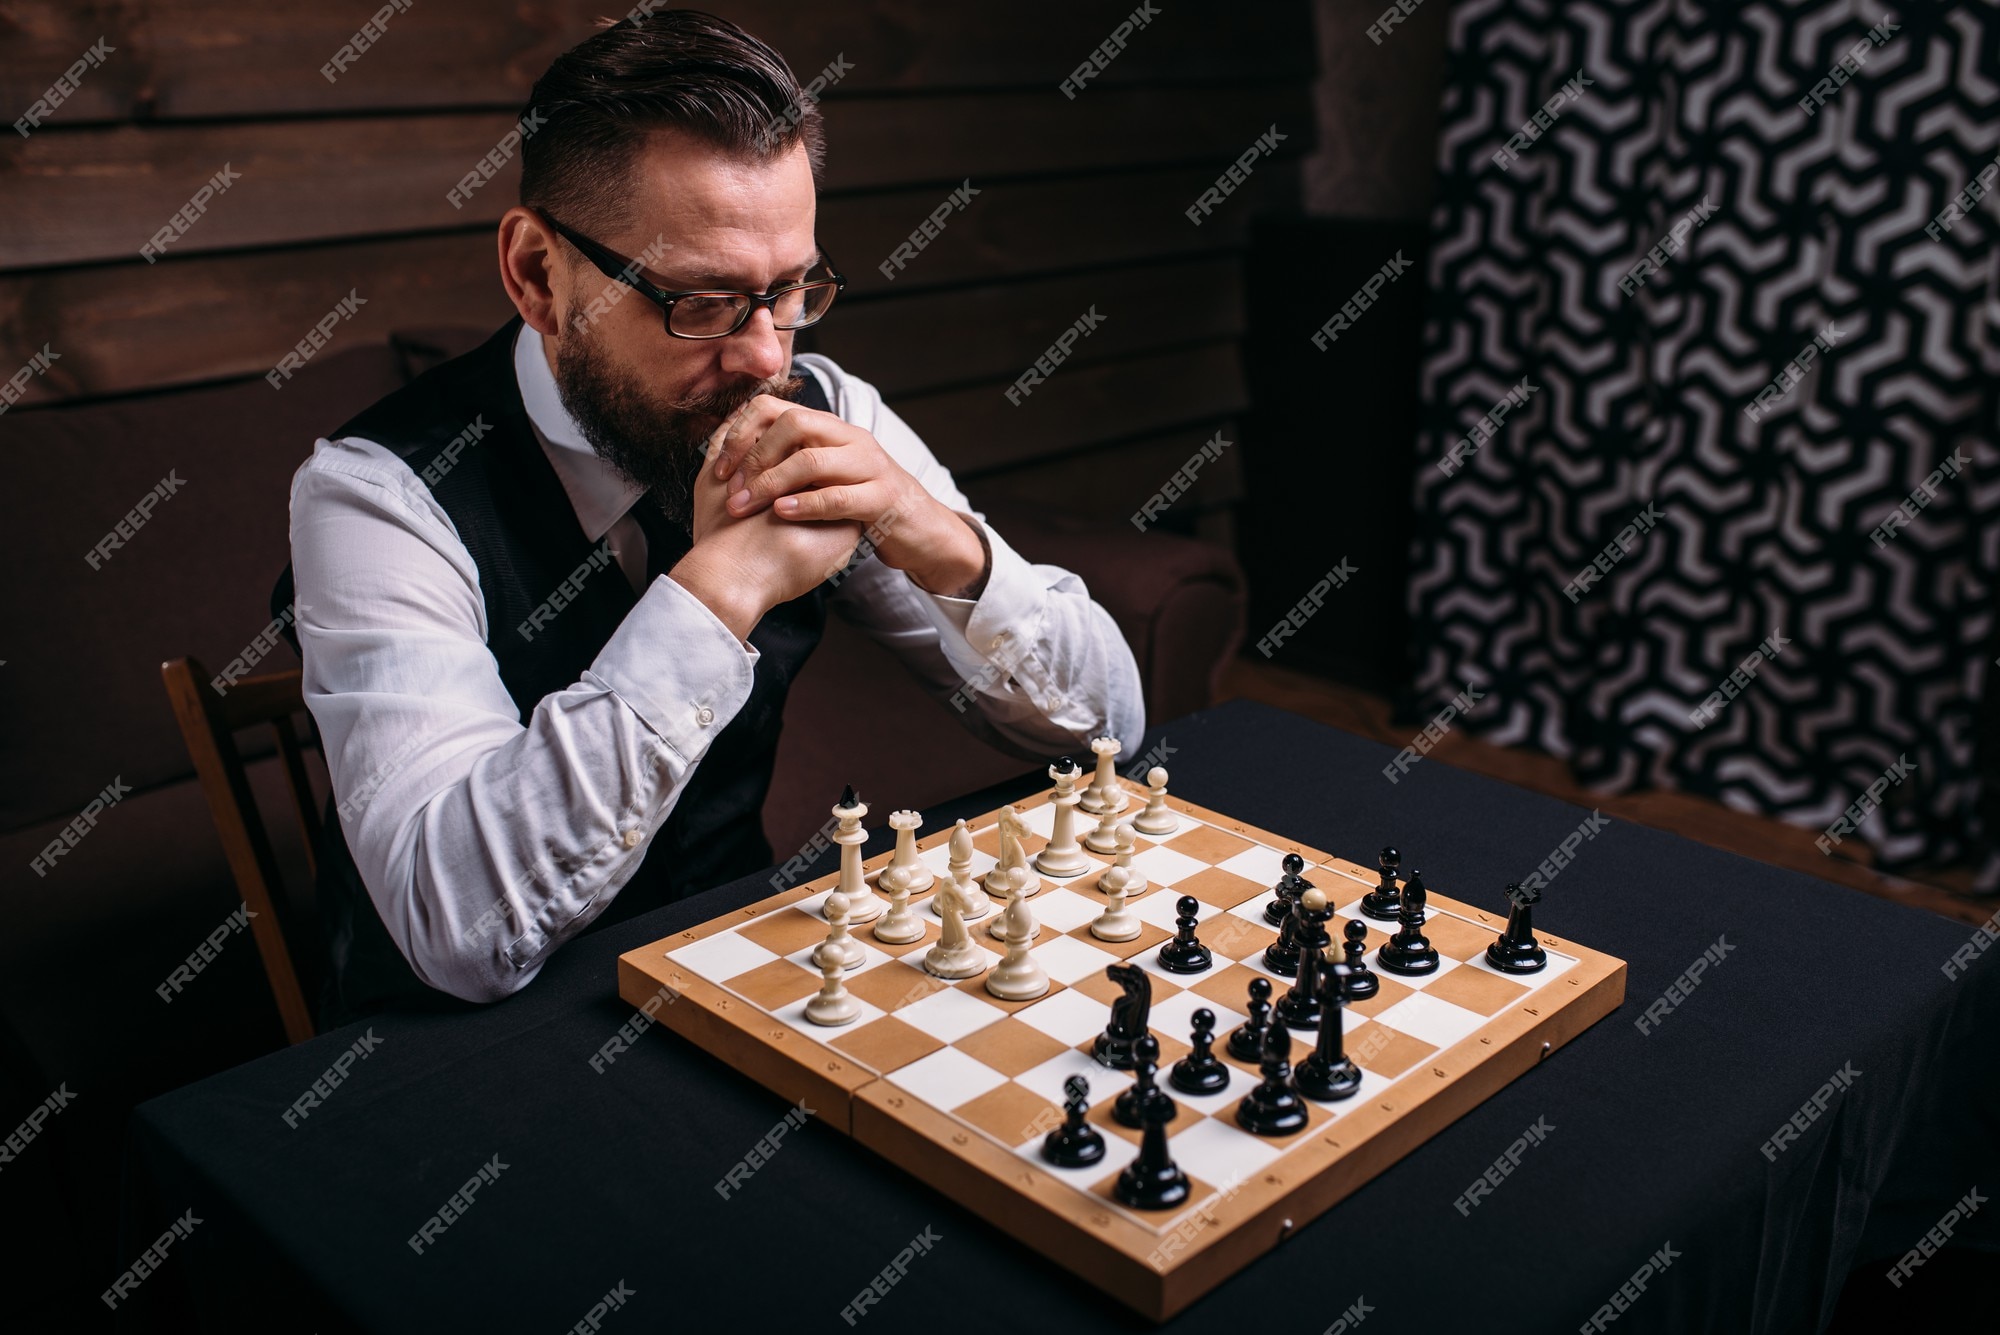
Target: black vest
x=515, y=519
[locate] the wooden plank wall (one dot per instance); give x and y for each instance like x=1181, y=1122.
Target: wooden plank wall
x=341, y=186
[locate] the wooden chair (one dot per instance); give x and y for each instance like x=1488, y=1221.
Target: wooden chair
x=208, y=723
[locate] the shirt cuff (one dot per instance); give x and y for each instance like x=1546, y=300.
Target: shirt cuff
x=999, y=625
x=678, y=667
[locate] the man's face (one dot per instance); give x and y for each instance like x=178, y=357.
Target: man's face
x=647, y=401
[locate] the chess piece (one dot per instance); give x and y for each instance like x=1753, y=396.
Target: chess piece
x=1184, y=954
x=1201, y=1071
x=1409, y=951
x=1300, y=1008
x=1157, y=819
x=1076, y=1143
x=1328, y=1074
x=999, y=881
x=1117, y=1046
x=840, y=944
x=1116, y=923
x=1128, y=1110
x=1017, y=891
x=1062, y=856
x=1018, y=977
x=1361, y=982
x=1517, y=951
x=1152, y=1181
x=1282, y=955
x=1103, y=837
x=904, y=862
x=834, y=1005
x=1121, y=874
x=1273, y=1108
x=1104, y=795
x=900, y=925
x=961, y=887
x=863, y=904
x=954, y=955
x=1247, y=1043
x=1384, y=901
x=1289, y=887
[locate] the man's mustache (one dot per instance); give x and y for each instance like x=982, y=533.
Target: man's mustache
x=726, y=403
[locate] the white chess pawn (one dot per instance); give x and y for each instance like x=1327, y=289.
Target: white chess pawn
x=999, y=881
x=905, y=863
x=899, y=926
x=955, y=954
x=863, y=904
x=1103, y=838
x=834, y=1005
x=961, y=887
x=1015, y=892
x=1018, y=977
x=1121, y=876
x=1104, y=793
x=840, y=945
x=1116, y=923
x=1062, y=856
x=1156, y=819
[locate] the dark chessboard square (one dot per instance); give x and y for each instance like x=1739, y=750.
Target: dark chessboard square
x=887, y=1044
x=1456, y=938
x=1205, y=843
x=1385, y=1051
x=1228, y=985
x=1388, y=993
x=1224, y=889
x=892, y=986
x=1011, y=1114
x=1198, y=1192
x=1009, y=1047
x=775, y=985
x=933, y=929
x=1234, y=938
x=785, y=932
x=1477, y=990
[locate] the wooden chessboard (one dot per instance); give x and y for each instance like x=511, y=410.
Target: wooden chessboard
x=958, y=1087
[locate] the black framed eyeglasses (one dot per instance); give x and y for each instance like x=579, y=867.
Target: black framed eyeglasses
x=703, y=313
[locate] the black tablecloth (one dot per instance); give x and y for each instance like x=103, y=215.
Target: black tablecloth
x=1651, y=1148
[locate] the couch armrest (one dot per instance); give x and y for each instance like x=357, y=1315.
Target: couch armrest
x=1181, y=602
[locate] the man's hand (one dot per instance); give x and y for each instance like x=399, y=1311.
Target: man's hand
x=804, y=466
x=743, y=565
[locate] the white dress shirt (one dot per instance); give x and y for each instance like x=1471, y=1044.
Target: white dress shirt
x=484, y=843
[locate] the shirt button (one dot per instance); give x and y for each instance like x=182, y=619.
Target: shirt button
x=1001, y=639
x=704, y=716
x=634, y=836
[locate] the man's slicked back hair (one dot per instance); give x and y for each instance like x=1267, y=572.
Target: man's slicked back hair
x=682, y=69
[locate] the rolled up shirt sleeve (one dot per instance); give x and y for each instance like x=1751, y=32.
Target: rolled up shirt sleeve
x=1033, y=665
x=485, y=842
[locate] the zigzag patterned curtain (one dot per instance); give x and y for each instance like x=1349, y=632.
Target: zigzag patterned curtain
x=1706, y=491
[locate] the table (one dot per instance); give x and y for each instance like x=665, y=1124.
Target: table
x=1624, y=1149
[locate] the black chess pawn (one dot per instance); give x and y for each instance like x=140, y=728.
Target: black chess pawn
x=1328, y=1074
x=1383, y=901
x=1409, y=951
x=1076, y=1143
x=1300, y=1007
x=1517, y=951
x=1361, y=981
x=1153, y=1181
x=1201, y=1071
x=1289, y=887
x=1282, y=955
x=1129, y=1108
x=1273, y=1108
x=1246, y=1044
x=1184, y=954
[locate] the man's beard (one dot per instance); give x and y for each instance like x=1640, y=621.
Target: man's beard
x=660, y=447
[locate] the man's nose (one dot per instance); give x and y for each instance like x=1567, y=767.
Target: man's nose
x=757, y=350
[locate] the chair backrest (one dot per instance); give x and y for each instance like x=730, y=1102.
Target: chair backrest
x=209, y=720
